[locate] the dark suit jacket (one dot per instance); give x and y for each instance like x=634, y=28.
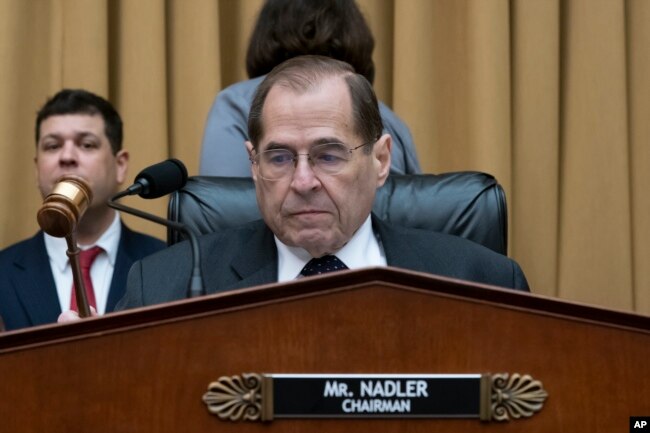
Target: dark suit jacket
x=28, y=293
x=247, y=256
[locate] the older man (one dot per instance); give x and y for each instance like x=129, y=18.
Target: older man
x=318, y=156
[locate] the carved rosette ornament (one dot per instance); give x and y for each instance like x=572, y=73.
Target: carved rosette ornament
x=236, y=398
x=516, y=396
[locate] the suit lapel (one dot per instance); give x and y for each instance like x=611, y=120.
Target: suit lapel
x=36, y=289
x=253, y=264
x=123, y=262
x=400, y=252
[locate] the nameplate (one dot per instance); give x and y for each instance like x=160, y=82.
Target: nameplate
x=264, y=397
x=338, y=396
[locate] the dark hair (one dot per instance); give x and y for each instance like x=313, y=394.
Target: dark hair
x=78, y=101
x=306, y=72
x=290, y=28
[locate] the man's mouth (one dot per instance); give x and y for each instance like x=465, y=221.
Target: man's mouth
x=308, y=213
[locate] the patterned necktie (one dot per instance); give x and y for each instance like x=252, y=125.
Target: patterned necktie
x=86, y=259
x=323, y=265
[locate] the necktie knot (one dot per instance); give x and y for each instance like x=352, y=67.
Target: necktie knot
x=87, y=257
x=322, y=265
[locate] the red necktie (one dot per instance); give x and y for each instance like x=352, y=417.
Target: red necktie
x=86, y=259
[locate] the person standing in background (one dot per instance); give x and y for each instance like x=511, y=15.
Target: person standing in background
x=286, y=29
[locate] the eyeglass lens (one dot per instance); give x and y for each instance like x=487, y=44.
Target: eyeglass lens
x=328, y=158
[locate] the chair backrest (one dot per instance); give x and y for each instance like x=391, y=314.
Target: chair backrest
x=467, y=204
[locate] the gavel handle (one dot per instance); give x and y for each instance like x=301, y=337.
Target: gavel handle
x=79, y=287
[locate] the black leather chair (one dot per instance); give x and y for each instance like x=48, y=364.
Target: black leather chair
x=467, y=204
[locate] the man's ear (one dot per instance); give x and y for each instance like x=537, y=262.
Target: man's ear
x=249, y=148
x=36, y=170
x=382, y=158
x=121, y=165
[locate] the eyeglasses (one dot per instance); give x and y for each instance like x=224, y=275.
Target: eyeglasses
x=325, y=159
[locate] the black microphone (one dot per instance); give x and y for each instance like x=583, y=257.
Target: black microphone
x=156, y=181
x=159, y=179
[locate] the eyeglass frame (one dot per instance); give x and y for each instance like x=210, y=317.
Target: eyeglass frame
x=255, y=158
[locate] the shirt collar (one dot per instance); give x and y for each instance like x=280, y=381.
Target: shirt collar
x=363, y=250
x=108, y=241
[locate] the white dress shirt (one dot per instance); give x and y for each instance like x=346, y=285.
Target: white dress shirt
x=363, y=250
x=101, y=271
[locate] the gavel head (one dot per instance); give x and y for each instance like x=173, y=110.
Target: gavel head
x=64, y=206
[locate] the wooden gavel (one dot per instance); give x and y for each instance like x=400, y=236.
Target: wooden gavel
x=59, y=215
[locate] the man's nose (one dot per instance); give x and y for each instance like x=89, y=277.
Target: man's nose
x=304, y=178
x=68, y=154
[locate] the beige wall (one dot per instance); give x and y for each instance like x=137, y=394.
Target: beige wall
x=550, y=96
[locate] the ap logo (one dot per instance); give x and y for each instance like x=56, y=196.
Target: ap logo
x=639, y=424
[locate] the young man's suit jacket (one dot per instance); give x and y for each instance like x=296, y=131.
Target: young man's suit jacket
x=28, y=295
x=247, y=256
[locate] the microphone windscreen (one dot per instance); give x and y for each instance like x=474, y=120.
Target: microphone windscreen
x=162, y=178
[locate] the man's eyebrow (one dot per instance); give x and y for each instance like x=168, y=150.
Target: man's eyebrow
x=77, y=135
x=50, y=135
x=273, y=145
x=84, y=134
x=327, y=140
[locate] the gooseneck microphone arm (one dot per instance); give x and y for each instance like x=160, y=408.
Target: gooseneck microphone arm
x=196, y=280
x=156, y=181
